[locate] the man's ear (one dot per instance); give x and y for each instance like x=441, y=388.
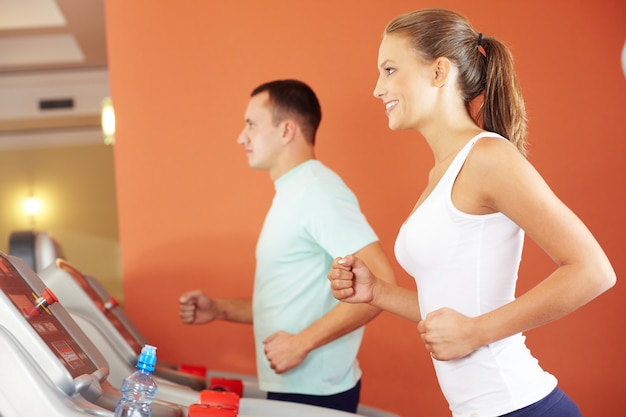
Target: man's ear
x=442, y=67
x=289, y=128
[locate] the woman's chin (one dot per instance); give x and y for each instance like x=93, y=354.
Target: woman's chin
x=394, y=125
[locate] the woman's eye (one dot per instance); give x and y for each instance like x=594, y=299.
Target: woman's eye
x=389, y=70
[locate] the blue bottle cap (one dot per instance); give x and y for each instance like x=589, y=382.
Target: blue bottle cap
x=147, y=358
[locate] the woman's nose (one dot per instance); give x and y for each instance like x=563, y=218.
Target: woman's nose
x=378, y=90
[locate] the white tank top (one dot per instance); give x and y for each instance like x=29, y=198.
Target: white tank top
x=469, y=263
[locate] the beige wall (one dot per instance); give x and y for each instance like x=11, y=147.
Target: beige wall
x=77, y=189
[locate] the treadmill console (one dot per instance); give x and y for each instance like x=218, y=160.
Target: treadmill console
x=49, y=365
x=36, y=312
x=86, y=286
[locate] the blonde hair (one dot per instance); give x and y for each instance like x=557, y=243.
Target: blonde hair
x=485, y=67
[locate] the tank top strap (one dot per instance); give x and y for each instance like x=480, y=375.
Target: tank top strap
x=457, y=163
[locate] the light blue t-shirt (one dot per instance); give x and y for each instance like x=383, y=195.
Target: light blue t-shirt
x=313, y=219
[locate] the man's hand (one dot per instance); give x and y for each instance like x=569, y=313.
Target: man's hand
x=284, y=351
x=196, y=308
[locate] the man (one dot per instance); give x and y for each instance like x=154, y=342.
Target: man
x=306, y=341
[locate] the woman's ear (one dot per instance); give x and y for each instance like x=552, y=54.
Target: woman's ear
x=442, y=67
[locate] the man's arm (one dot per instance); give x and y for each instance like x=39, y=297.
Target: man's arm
x=196, y=308
x=286, y=351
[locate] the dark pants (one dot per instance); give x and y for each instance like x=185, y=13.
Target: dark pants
x=555, y=404
x=344, y=401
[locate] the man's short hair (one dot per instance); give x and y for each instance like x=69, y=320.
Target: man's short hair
x=293, y=98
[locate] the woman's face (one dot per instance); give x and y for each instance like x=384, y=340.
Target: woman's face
x=404, y=84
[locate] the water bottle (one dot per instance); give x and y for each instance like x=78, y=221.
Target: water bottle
x=139, y=389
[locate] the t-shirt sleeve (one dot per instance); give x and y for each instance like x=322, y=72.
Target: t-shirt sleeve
x=334, y=219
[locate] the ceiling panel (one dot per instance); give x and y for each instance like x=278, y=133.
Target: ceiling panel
x=44, y=35
x=51, y=49
x=28, y=14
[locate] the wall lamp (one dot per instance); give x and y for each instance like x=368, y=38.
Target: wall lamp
x=32, y=207
x=108, y=121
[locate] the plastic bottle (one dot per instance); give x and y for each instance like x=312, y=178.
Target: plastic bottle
x=139, y=388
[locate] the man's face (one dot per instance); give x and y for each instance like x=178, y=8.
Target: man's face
x=260, y=137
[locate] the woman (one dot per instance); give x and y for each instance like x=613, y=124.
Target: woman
x=463, y=240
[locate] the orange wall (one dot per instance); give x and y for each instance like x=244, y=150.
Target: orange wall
x=190, y=208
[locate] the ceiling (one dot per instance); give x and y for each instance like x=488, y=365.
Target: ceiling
x=44, y=35
x=51, y=49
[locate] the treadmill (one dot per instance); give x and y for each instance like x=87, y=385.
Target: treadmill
x=105, y=322
x=107, y=325
x=38, y=248
x=42, y=251
x=49, y=367
x=196, y=378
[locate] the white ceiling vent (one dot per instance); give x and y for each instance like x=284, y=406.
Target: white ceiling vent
x=52, y=108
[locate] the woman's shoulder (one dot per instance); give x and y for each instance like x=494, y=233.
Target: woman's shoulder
x=491, y=152
x=494, y=165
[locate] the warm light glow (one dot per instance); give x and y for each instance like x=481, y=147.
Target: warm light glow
x=32, y=206
x=108, y=121
x=624, y=58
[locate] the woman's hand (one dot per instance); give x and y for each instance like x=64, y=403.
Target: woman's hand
x=448, y=335
x=351, y=281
